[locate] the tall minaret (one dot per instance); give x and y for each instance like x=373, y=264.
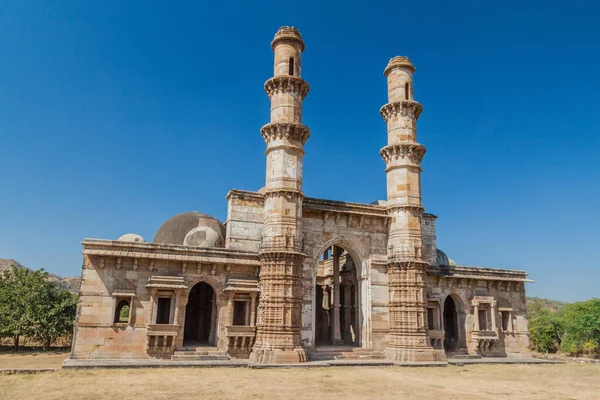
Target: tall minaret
x=406, y=266
x=280, y=305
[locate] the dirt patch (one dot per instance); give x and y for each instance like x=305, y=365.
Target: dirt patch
x=567, y=381
x=33, y=359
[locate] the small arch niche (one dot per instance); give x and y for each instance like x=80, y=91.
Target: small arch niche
x=291, y=66
x=122, y=311
x=407, y=90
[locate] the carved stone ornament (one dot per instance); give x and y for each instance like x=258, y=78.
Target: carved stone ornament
x=284, y=130
x=287, y=84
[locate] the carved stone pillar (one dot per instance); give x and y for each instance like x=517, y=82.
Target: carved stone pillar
x=476, y=315
x=230, y=309
x=247, y=313
x=348, y=313
x=493, y=312
x=180, y=306
x=336, y=336
x=280, y=305
x=253, y=309
x=213, y=322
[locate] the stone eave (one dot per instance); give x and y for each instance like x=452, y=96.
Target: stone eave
x=115, y=248
x=245, y=194
x=370, y=210
x=480, y=273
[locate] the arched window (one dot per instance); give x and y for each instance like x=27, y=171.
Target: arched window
x=291, y=66
x=407, y=91
x=122, y=312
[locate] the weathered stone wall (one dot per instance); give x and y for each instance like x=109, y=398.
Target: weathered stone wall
x=245, y=218
x=364, y=236
x=98, y=336
x=429, y=238
x=506, y=296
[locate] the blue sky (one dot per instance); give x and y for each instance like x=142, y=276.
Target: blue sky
x=116, y=115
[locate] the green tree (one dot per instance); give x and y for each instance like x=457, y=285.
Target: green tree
x=545, y=331
x=582, y=328
x=18, y=290
x=53, y=314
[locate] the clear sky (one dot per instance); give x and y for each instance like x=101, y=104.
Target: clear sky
x=116, y=115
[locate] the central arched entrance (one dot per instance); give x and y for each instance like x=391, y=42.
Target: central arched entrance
x=450, y=325
x=200, y=316
x=337, y=309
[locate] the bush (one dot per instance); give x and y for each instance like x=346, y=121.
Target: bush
x=573, y=329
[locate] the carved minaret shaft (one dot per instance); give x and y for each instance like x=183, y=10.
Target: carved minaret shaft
x=280, y=317
x=406, y=266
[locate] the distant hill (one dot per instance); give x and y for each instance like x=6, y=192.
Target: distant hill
x=552, y=305
x=71, y=283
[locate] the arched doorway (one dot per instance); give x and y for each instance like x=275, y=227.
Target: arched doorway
x=337, y=307
x=200, y=316
x=450, y=325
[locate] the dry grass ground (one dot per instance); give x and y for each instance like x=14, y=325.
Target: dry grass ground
x=571, y=381
x=33, y=359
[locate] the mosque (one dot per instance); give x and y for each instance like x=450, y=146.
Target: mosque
x=289, y=278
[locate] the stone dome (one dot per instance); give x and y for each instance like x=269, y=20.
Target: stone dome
x=131, y=237
x=441, y=258
x=192, y=229
x=289, y=33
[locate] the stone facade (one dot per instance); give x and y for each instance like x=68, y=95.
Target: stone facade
x=287, y=273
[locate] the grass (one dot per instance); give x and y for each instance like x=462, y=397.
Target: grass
x=568, y=381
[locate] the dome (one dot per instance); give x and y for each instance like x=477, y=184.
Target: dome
x=398, y=62
x=192, y=229
x=441, y=258
x=288, y=33
x=131, y=237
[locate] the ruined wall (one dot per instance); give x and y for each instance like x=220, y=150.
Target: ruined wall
x=429, y=238
x=245, y=219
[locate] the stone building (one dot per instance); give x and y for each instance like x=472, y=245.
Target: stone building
x=289, y=278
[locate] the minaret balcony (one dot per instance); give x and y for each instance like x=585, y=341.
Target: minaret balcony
x=403, y=153
x=285, y=131
x=407, y=108
x=287, y=84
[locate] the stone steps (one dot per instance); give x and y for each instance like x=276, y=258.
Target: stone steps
x=199, y=354
x=352, y=353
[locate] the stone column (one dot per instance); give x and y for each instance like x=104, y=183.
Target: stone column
x=408, y=340
x=493, y=311
x=230, y=309
x=280, y=254
x=336, y=336
x=348, y=313
x=476, y=312
x=326, y=308
x=213, y=322
x=325, y=304
x=253, y=309
x=181, y=316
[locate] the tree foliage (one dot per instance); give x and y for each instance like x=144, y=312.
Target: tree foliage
x=32, y=306
x=581, y=322
x=573, y=329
